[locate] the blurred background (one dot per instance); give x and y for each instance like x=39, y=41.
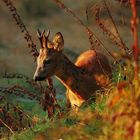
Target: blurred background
x=45, y=14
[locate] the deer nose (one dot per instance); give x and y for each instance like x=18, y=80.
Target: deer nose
x=36, y=78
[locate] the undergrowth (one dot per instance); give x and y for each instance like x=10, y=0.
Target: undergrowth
x=114, y=115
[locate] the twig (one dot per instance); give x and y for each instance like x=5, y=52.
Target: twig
x=6, y=126
x=19, y=109
x=25, y=91
x=53, y=94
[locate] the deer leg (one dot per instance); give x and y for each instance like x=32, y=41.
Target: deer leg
x=68, y=104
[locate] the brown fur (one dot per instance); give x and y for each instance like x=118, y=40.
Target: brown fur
x=85, y=77
x=90, y=72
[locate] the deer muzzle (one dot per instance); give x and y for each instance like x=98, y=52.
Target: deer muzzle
x=38, y=77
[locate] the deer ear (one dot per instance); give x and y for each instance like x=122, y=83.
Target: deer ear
x=58, y=42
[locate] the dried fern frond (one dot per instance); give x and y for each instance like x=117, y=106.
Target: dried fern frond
x=70, y=12
x=93, y=39
x=13, y=118
x=127, y=2
x=95, y=10
x=22, y=27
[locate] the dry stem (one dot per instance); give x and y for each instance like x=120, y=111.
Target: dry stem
x=134, y=23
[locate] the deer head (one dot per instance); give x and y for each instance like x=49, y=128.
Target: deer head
x=49, y=56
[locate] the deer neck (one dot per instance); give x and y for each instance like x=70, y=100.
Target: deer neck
x=75, y=79
x=68, y=73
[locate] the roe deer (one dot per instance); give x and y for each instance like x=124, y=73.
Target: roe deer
x=90, y=72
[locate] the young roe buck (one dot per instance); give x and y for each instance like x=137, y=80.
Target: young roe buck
x=91, y=71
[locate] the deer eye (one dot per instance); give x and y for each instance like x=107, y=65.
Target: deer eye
x=46, y=62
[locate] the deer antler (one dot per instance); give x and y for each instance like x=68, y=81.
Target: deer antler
x=39, y=34
x=48, y=33
x=42, y=35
